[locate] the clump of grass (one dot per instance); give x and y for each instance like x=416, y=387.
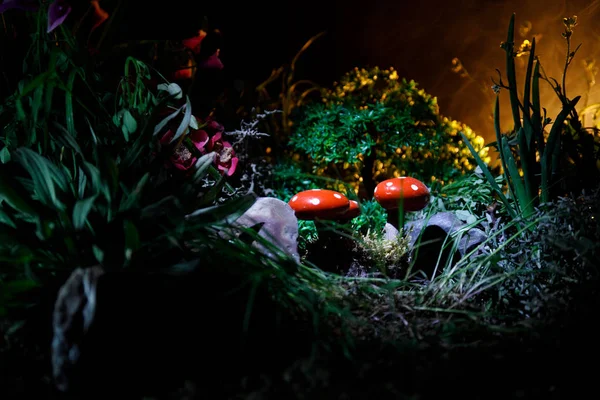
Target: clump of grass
x=388, y=256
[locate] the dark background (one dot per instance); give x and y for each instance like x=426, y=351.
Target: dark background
x=417, y=38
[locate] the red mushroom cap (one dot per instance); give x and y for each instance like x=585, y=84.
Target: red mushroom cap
x=319, y=204
x=389, y=192
x=353, y=211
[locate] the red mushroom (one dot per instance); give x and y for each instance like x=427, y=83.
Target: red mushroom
x=319, y=204
x=398, y=195
x=353, y=211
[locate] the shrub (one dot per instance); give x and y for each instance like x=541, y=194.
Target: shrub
x=372, y=126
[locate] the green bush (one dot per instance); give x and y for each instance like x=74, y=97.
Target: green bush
x=373, y=126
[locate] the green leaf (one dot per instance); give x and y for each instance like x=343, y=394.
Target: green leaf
x=526, y=163
x=81, y=183
x=488, y=175
x=5, y=219
x=132, y=239
x=12, y=193
x=525, y=203
x=129, y=122
x=511, y=72
x=45, y=175
x=527, y=96
x=81, y=210
x=224, y=214
x=185, y=123
x=211, y=195
x=160, y=126
x=4, y=155
x=499, y=141
x=130, y=200
x=21, y=116
x=70, y=118
x=202, y=165
x=98, y=253
x=62, y=136
x=557, y=128
x=35, y=83
x=36, y=103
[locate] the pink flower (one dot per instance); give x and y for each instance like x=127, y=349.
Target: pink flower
x=225, y=158
x=182, y=157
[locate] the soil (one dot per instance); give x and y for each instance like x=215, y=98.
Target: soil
x=165, y=344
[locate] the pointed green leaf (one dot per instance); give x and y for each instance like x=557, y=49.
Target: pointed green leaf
x=185, y=123
x=5, y=219
x=132, y=198
x=98, y=253
x=511, y=72
x=62, y=136
x=4, y=155
x=556, y=129
x=202, y=165
x=223, y=214
x=36, y=103
x=129, y=122
x=525, y=205
x=44, y=176
x=161, y=125
x=81, y=183
x=81, y=210
x=70, y=118
x=527, y=95
x=526, y=165
x=132, y=239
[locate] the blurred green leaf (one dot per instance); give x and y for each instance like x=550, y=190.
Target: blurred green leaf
x=4, y=155
x=44, y=174
x=69, y=115
x=64, y=138
x=13, y=194
x=129, y=122
x=224, y=214
x=132, y=239
x=131, y=199
x=161, y=125
x=202, y=165
x=81, y=210
x=5, y=219
x=185, y=123
x=98, y=253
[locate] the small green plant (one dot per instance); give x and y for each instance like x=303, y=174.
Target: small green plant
x=537, y=165
x=372, y=218
x=373, y=125
x=388, y=256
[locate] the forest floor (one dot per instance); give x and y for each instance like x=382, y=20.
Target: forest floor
x=552, y=360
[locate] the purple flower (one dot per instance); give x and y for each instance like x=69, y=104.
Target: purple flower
x=57, y=13
x=24, y=5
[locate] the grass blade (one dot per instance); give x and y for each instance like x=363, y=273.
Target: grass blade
x=489, y=177
x=525, y=205
x=69, y=102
